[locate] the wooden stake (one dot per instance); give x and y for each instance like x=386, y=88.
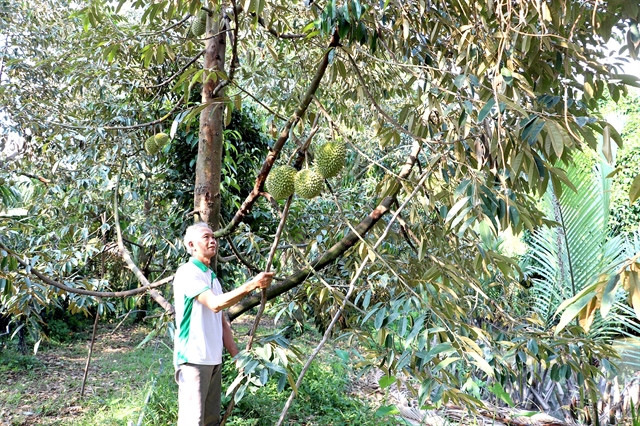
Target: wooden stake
x=86, y=367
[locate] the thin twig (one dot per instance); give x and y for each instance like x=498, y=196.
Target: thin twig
x=133, y=126
x=334, y=320
x=273, y=32
x=302, y=149
x=237, y=255
x=125, y=318
x=275, y=114
x=86, y=367
x=382, y=112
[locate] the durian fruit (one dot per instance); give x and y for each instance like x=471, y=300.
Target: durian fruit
x=199, y=24
x=161, y=139
x=330, y=158
x=279, y=183
x=308, y=183
x=150, y=146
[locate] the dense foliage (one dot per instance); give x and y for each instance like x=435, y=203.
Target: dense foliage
x=455, y=114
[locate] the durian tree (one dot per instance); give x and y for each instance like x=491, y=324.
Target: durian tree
x=450, y=114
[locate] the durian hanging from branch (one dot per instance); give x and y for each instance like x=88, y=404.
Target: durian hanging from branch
x=280, y=183
x=199, y=24
x=283, y=181
x=308, y=183
x=155, y=143
x=330, y=158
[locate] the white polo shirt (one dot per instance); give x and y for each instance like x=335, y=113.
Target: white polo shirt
x=198, y=335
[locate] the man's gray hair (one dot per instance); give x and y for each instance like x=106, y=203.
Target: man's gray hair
x=192, y=232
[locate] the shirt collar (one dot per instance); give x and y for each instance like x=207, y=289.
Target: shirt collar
x=199, y=264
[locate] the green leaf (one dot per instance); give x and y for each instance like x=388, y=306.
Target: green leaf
x=387, y=410
x=357, y=8
x=628, y=79
x=445, y=362
x=386, y=381
x=481, y=363
x=460, y=80
x=147, y=338
x=532, y=129
x=507, y=75
x=456, y=208
x=499, y=391
x=486, y=109
x=557, y=137
x=562, y=175
x=573, y=309
x=608, y=296
x=343, y=355
x=634, y=190
x=614, y=172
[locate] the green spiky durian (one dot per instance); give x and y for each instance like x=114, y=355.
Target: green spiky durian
x=279, y=183
x=308, y=183
x=199, y=24
x=161, y=139
x=330, y=158
x=150, y=146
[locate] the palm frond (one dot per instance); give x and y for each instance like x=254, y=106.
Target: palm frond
x=571, y=256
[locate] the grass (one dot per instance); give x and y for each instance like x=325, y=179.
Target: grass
x=321, y=400
x=127, y=384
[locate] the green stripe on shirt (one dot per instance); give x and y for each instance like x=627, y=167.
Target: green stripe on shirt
x=185, y=328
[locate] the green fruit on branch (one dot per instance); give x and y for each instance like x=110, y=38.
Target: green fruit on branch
x=279, y=183
x=330, y=158
x=199, y=24
x=161, y=139
x=150, y=146
x=308, y=183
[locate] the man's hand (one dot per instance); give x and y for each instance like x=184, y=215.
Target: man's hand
x=262, y=280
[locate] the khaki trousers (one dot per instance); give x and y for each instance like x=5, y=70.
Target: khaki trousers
x=199, y=392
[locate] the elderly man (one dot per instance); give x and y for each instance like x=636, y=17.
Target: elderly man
x=202, y=329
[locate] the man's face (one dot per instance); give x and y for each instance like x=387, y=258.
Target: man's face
x=205, y=245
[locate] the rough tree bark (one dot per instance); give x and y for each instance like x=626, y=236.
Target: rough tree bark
x=207, y=199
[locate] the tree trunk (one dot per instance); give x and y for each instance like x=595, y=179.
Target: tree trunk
x=210, y=138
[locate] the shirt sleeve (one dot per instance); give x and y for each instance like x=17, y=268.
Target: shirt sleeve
x=192, y=283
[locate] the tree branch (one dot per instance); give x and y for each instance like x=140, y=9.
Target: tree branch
x=248, y=203
x=183, y=69
x=49, y=281
x=378, y=108
x=133, y=126
x=275, y=114
x=273, y=32
x=336, y=250
x=237, y=255
x=149, y=123
x=168, y=307
x=40, y=178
